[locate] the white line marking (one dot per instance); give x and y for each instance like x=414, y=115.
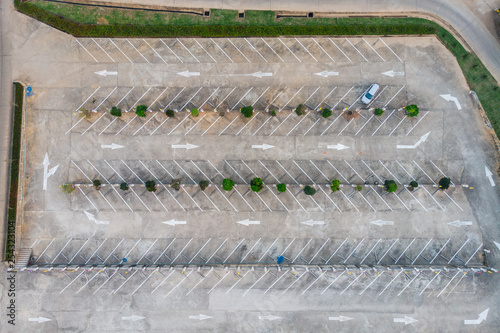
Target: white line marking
x=103, y=50
x=339, y=49
x=391, y=50
x=137, y=50
x=306, y=49
x=238, y=50
x=86, y=50
x=289, y=49
x=205, y=50
x=159, y=56
x=255, y=49
x=272, y=50
x=314, y=40
x=222, y=50
x=373, y=49
x=356, y=49
x=172, y=51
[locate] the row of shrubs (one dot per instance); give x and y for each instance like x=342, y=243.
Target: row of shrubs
x=257, y=185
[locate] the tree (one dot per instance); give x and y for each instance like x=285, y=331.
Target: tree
x=281, y=187
x=256, y=184
x=335, y=186
x=308, y=190
x=247, y=111
x=151, y=186
x=117, y=112
x=68, y=187
x=170, y=113
x=300, y=110
x=412, y=110
x=194, y=112
x=203, y=184
x=273, y=113
x=413, y=184
x=390, y=186
x=359, y=188
x=444, y=183
x=326, y=113
x=379, y=112
x=97, y=184
x=227, y=184
x=140, y=111
x=124, y=186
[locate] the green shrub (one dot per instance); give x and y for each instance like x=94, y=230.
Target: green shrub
x=124, y=186
x=68, y=187
x=256, y=184
x=412, y=110
x=413, y=184
x=300, y=110
x=117, y=112
x=326, y=113
x=203, y=184
x=151, y=186
x=97, y=184
x=140, y=111
x=84, y=113
x=335, y=186
x=273, y=113
x=176, y=184
x=170, y=113
x=390, y=186
x=281, y=187
x=379, y=112
x=194, y=112
x=444, y=183
x=227, y=184
x=247, y=111
x=359, y=188
x=308, y=190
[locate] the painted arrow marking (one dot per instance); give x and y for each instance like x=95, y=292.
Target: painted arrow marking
x=449, y=98
x=258, y=74
x=407, y=320
x=459, y=223
x=337, y=146
x=263, y=147
x=188, y=74
x=392, y=73
x=174, y=222
x=311, y=222
x=340, y=318
x=46, y=172
x=39, y=319
x=133, y=318
x=489, y=175
x=105, y=73
x=420, y=141
x=247, y=222
x=270, y=317
x=186, y=146
x=482, y=316
x=327, y=74
x=92, y=218
x=200, y=317
x=112, y=146
x=381, y=223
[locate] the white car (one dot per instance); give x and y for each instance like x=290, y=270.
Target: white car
x=367, y=97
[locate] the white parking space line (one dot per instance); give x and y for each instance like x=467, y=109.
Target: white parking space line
x=222, y=50
x=201, y=105
x=425, y=173
x=237, y=49
x=163, y=122
x=387, y=286
x=289, y=50
x=390, y=49
x=209, y=127
x=251, y=88
x=352, y=282
x=195, y=124
x=298, y=41
x=324, y=99
x=126, y=125
x=343, y=97
x=395, y=128
x=297, y=124
x=159, y=56
x=453, y=278
x=255, y=49
x=441, y=171
x=161, y=40
x=295, y=281
x=331, y=124
x=331, y=283
x=255, y=116
x=177, y=285
x=369, y=285
x=189, y=101
x=103, y=50
x=339, y=49
x=225, y=98
x=270, y=190
x=383, y=122
x=104, y=100
x=322, y=273
x=188, y=50
x=157, y=98
x=135, y=48
x=90, y=180
x=286, y=104
x=364, y=124
x=180, y=92
x=88, y=199
x=310, y=128
x=275, y=98
x=90, y=54
x=272, y=50
x=416, y=275
x=258, y=129
x=350, y=121
x=140, y=98
x=205, y=50
x=308, y=98
x=411, y=129
x=120, y=50
x=373, y=49
x=154, y=115
x=394, y=96
x=314, y=40
x=281, y=123
x=361, y=54
x=260, y=96
x=453, y=201
x=78, y=108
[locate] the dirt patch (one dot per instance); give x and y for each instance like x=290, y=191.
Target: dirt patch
x=102, y=20
x=350, y=115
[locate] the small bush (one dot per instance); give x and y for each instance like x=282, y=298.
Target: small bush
x=203, y=184
x=256, y=184
x=194, y=112
x=117, y=112
x=273, y=113
x=84, y=113
x=308, y=190
x=227, y=184
x=68, y=187
x=247, y=111
x=176, y=184
x=326, y=113
x=359, y=188
x=444, y=183
x=170, y=113
x=379, y=112
x=140, y=111
x=97, y=184
x=151, y=186
x=300, y=110
x=335, y=186
x=124, y=186
x=281, y=187
x=412, y=110
x=413, y=184
x=390, y=186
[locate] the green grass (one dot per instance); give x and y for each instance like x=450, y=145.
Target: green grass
x=14, y=168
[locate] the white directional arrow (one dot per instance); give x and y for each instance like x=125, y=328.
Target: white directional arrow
x=46, y=172
x=270, y=317
x=187, y=146
x=421, y=140
x=105, y=73
x=39, y=319
x=448, y=98
x=459, y=223
x=407, y=320
x=311, y=222
x=133, y=318
x=263, y=147
x=92, y=218
x=188, y=74
x=497, y=244
x=200, y=317
x=174, y=222
x=258, y=74
x=112, y=146
x=247, y=222
x=327, y=73
x=338, y=146
x=381, y=223
x=489, y=175
x=392, y=73
x=340, y=318
x=482, y=316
